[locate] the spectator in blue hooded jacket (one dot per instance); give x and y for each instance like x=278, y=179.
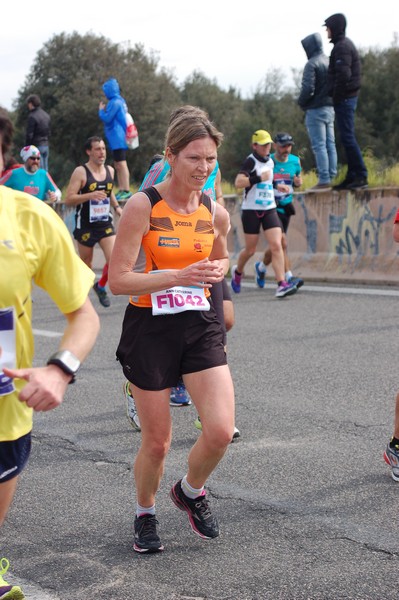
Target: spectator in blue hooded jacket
x=114, y=116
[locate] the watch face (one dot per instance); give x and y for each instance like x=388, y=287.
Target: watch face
x=70, y=360
x=66, y=360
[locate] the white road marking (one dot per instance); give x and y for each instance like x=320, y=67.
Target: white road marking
x=361, y=290
x=45, y=333
x=350, y=290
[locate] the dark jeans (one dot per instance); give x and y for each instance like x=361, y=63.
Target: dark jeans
x=345, y=118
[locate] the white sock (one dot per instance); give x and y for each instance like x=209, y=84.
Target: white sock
x=262, y=267
x=189, y=491
x=288, y=275
x=143, y=510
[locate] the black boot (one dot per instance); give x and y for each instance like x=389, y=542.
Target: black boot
x=358, y=184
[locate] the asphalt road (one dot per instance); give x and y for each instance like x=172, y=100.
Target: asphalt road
x=306, y=504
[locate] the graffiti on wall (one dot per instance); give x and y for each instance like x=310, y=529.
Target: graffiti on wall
x=310, y=225
x=352, y=235
x=357, y=234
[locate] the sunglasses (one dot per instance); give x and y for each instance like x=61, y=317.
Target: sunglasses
x=284, y=140
x=34, y=158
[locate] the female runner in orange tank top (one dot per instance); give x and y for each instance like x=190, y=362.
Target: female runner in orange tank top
x=170, y=329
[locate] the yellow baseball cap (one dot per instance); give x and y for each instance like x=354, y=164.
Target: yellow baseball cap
x=261, y=137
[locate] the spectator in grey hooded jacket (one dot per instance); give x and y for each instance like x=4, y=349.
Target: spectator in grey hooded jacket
x=318, y=106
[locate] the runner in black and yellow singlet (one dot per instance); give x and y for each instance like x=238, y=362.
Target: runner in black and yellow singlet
x=90, y=190
x=94, y=215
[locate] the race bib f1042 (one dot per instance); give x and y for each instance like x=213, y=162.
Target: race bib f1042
x=178, y=299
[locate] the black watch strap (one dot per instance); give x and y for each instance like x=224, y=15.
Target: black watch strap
x=66, y=361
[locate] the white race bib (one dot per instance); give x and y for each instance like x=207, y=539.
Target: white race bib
x=264, y=196
x=7, y=349
x=99, y=210
x=178, y=299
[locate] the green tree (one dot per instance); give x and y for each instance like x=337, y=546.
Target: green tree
x=273, y=107
x=225, y=108
x=68, y=74
x=378, y=108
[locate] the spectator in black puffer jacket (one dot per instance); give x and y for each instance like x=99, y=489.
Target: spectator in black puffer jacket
x=38, y=129
x=318, y=106
x=343, y=86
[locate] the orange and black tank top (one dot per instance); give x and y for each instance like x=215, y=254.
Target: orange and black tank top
x=175, y=241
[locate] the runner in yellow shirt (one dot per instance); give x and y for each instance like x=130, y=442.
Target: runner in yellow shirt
x=34, y=245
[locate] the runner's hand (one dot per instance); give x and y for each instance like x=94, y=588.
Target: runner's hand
x=45, y=386
x=202, y=274
x=98, y=195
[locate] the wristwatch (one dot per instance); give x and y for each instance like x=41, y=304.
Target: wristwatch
x=66, y=361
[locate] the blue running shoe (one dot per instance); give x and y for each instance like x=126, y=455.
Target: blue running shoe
x=260, y=276
x=297, y=281
x=235, y=280
x=123, y=195
x=179, y=396
x=102, y=295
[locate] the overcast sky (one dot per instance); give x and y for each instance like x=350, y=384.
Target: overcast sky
x=233, y=42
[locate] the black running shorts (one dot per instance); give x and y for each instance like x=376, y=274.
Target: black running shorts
x=119, y=155
x=217, y=301
x=252, y=220
x=226, y=291
x=285, y=220
x=91, y=237
x=14, y=456
x=155, y=351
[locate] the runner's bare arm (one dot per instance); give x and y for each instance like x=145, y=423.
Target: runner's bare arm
x=76, y=183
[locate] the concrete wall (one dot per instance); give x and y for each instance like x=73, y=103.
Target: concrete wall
x=334, y=236
x=345, y=236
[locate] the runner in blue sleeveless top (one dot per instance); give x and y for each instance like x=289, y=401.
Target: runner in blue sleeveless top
x=286, y=177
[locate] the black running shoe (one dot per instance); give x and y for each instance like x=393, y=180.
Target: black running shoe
x=146, y=538
x=199, y=514
x=343, y=185
x=102, y=295
x=360, y=183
